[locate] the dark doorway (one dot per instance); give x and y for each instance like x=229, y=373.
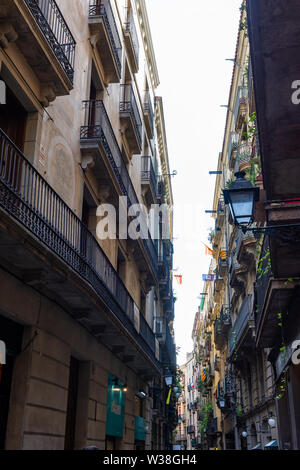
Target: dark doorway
x=72, y=405
x=11, y=333
x=229, y=441
x=110, y=443
x=13, y=118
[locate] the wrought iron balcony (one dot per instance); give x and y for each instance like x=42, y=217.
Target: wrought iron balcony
x=221, y=327
x=222, y=268
x=190, y=429
x=220, y=213
x=131, y=40
x=229, y=388
x=98, y=129
x=243, y=325
x=149, y=180
x=212, y=426
x=41, y=34
x=271, y=293
x=246, y=247
x=103, y=25
x=237, y=274
x=244, y=155
x=28, y=198
x=169, y=350
x=130, y=117
x=263, y=279
x=160, y=190
x=52, y=23
x=163, y=266
x=240, y=107
x=232, y=148
x=149, y=115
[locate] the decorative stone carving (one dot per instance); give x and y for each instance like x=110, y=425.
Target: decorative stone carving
x=88, y=161
x=7, y=34
x=47, y=95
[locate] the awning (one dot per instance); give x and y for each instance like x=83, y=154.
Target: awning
x=257, y=447
x=2, y=353
x=272, y=444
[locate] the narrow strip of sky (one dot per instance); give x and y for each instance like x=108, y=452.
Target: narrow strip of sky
x=192, y=40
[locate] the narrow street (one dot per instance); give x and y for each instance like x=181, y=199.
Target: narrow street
x=149, y=256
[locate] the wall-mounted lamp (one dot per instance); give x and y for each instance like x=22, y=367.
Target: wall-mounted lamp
x=168, y=378
x=241, y=197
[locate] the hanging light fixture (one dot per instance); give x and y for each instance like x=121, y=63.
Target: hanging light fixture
x=241, y=197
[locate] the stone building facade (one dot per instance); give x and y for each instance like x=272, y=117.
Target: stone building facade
x=242, y=391
x=86, y=321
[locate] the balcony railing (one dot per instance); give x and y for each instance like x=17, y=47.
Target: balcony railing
x=148, y=173
x=170, y=348
x=161, y=191
x=163, y=266
x=190, y=429
x=148, y=110
x=244, y=155
x=27, y=197
x=98, y=127
x=103, y=9
x=220, y=213
x=212, y=426
x=229, y=388
x=128, y=106
x=232, y=146
x=222, y=326
x=262, y=281
x=52, y=24
x=244, y=316
x=241, y=100
x=130, y=28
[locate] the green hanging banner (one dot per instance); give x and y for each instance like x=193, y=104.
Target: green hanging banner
x=202, y=303
x=115, y=407
x=139, y=429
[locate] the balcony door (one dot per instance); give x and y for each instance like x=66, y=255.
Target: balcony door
x=13, y=118
x=88, y=219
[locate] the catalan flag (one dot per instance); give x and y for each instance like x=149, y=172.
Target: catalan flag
x=208, y=251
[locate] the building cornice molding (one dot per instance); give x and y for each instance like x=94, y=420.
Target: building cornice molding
x=147, y=41
x=163, y=148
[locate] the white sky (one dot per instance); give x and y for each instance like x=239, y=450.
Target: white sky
x=192, y=39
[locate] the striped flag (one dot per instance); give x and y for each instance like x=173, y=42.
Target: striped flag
x=208, y=251
x=178, y=278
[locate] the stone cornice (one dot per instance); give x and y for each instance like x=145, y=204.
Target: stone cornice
x=147, y=41
x=163, y=148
